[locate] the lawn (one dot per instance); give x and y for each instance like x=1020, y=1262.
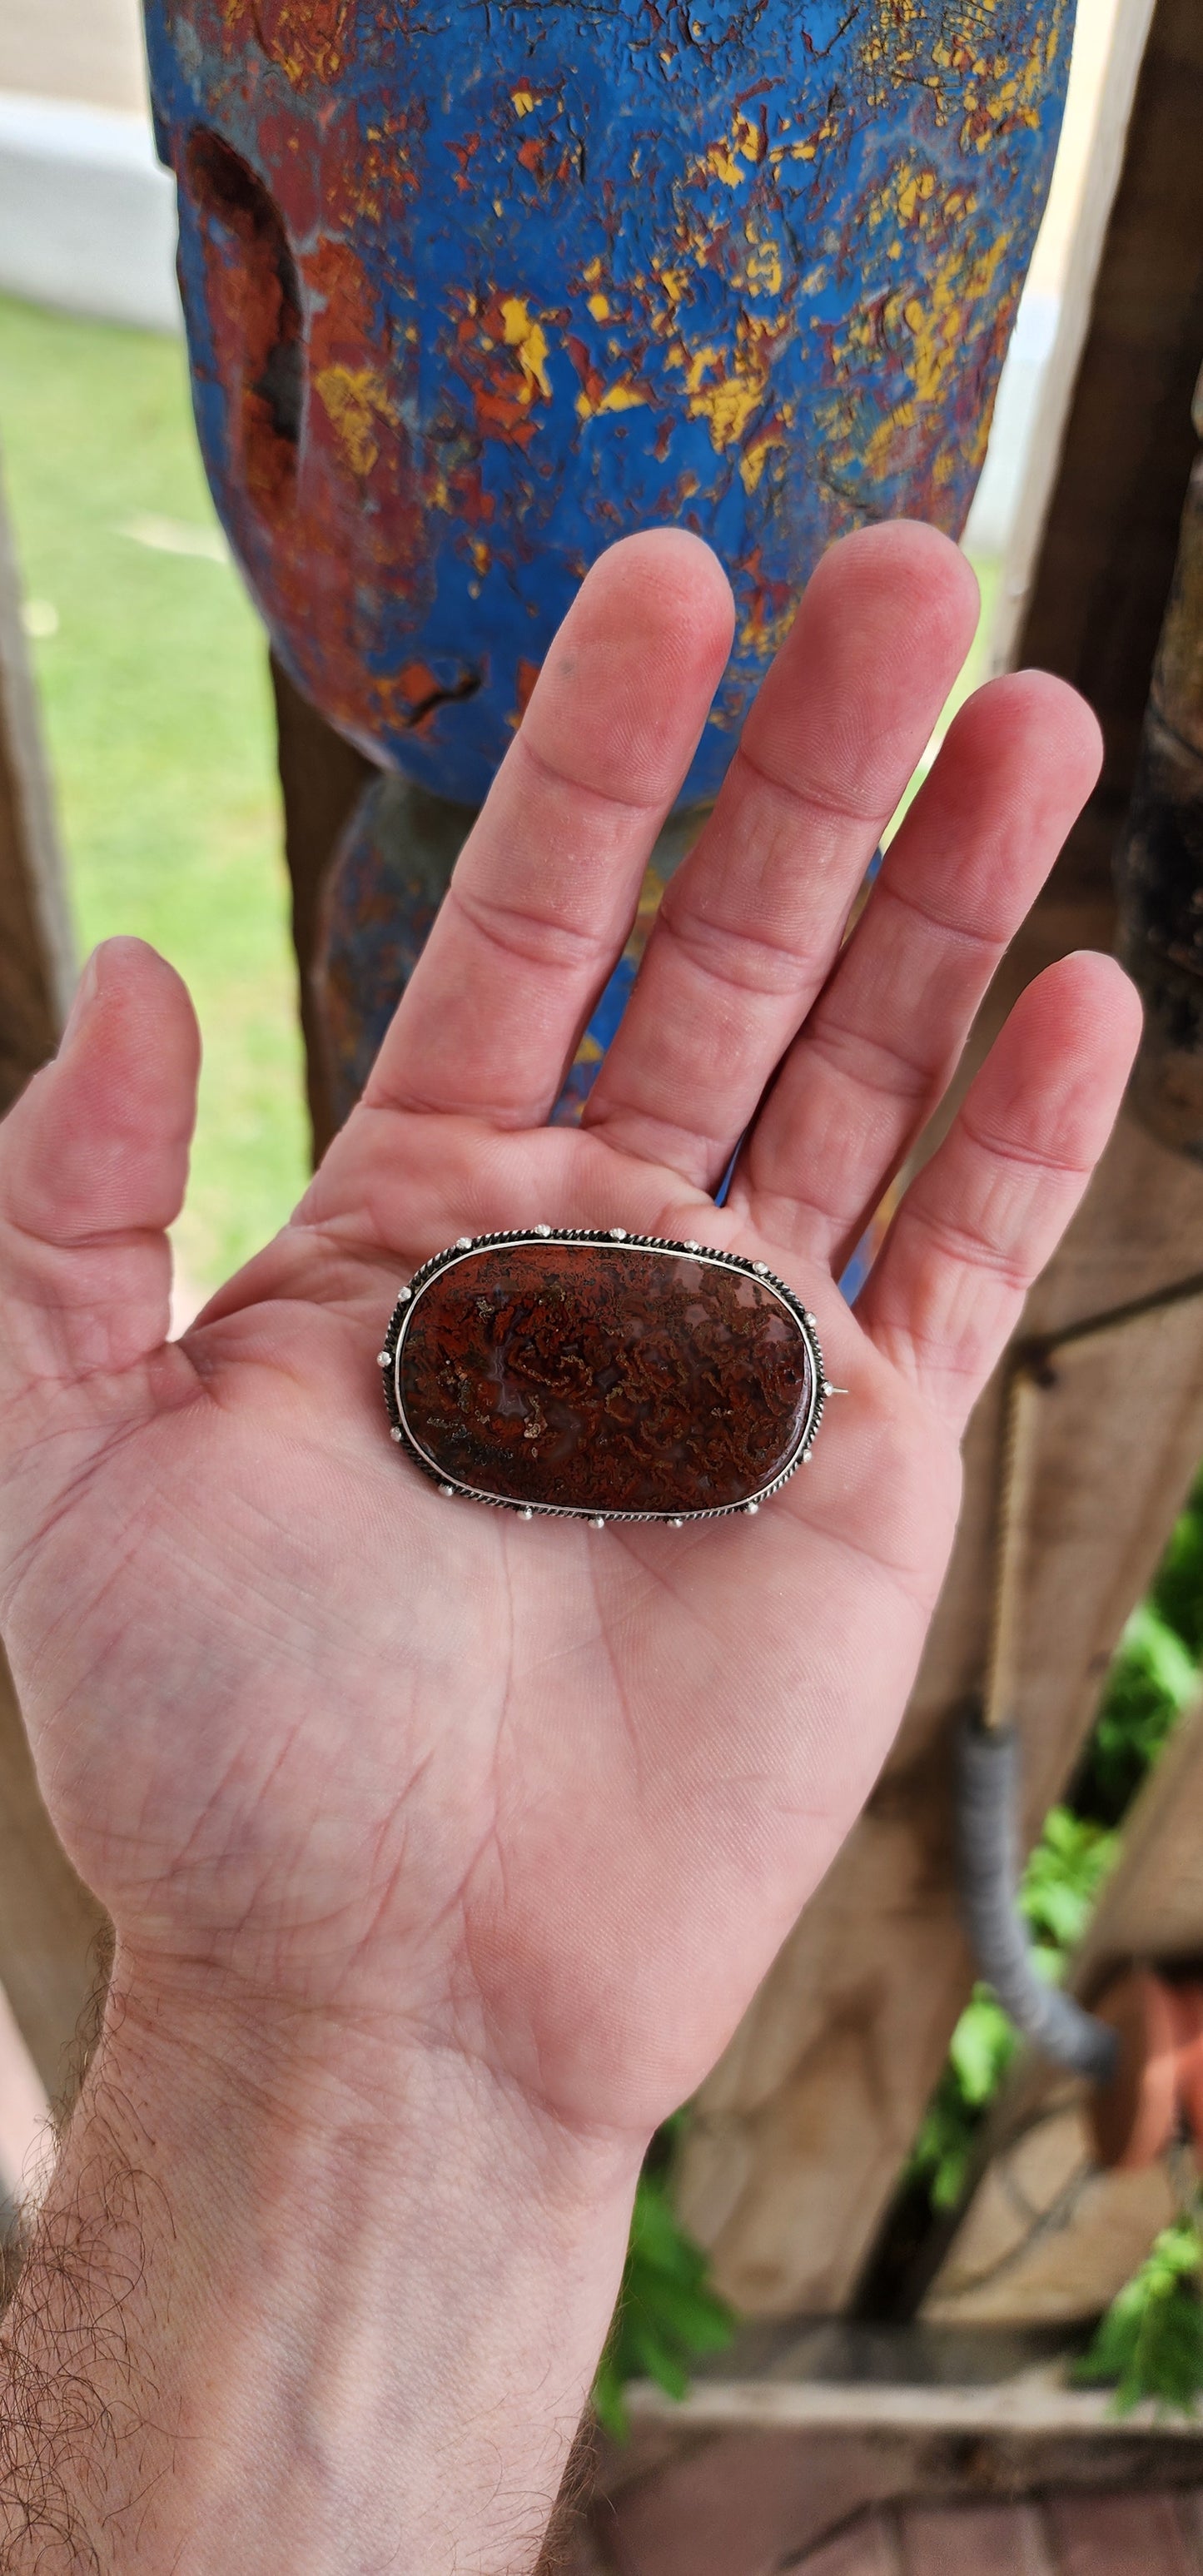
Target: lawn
x=155, y=691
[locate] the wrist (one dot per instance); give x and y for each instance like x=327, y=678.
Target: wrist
x=363, y=2288
x=302, y=2081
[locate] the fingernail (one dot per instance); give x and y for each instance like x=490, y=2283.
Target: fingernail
x=85, y=994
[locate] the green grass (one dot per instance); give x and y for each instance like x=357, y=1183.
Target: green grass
x=157, y=708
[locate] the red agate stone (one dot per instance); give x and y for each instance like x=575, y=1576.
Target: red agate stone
x=604, y=1378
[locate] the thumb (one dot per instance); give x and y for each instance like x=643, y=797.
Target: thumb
x=93, y=1167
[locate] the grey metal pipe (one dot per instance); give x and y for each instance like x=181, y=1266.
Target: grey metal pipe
x=988, y=1782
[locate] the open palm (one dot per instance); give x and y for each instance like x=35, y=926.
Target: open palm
x=321, y=1738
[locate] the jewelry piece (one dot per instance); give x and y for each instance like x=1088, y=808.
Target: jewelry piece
x=599, y=1375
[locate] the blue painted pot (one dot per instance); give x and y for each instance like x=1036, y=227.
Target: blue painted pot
x=473, y=289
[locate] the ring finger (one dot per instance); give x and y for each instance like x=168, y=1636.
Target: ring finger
x=881, y=1045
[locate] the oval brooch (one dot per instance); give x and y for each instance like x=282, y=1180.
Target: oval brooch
x=602, y=1376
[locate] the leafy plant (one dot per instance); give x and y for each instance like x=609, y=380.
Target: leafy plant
x=1152, y=1679
x=980, y=2051
x=1177, y=1594
x=667, y=2315
x=1150, y=2343
x=1060, y=1888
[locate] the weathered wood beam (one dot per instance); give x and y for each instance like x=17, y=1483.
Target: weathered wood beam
x=37, y=966
x=755, y=2471
x=1004, y=2265
x=321, y=779
x=48, y=1923
x=802, y=2129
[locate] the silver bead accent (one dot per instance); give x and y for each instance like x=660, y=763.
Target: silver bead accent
x=544, y=1230
x=446, y=1489
x=395, y=1435
x=812, y=1320
x=751, y=1510
x=526, y=1513
x=806, y=1458
x=618, y=1234
x=383, y=1359
x=691, y=1246
x=676, y=1524
x=464, y=1242
x=599, y=1523
x=761, y=1269
x=403, y=1296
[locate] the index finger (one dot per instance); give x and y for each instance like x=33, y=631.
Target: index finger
x=545, y=889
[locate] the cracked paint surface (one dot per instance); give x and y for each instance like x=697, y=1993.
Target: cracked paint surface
x=474, y=288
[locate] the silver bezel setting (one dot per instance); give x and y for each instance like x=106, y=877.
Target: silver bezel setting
x=603, y=1238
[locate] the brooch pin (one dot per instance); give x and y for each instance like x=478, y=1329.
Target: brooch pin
x=600, y=1375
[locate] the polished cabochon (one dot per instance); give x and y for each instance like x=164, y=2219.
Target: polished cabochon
x=603, y=1376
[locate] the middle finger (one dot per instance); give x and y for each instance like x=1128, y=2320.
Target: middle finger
x=750, y=925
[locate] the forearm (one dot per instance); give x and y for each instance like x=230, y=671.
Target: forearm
x=280, y=2312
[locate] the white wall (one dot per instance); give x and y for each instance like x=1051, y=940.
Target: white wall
x=82, y=49
x=87, y=215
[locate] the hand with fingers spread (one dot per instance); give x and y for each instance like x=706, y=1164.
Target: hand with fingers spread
x=445, y=1852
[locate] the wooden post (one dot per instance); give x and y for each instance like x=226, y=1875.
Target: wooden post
x=37, y=966
x=322, y=779
x=802, y=2129
x=48, y=1922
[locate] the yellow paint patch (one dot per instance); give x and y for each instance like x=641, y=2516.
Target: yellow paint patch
x=754, y=459
x=620, y=397
x=724, y=165
x=764, y=273
x=530, y=341
x=599, y=306
x=524, y=100
x=356, y=401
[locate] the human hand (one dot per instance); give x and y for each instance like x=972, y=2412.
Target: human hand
x=321, y=1740
x=444, y=1851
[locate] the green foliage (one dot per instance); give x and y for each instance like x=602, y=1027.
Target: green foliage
x=981, y=2049
x=1150, y=2343
x=666, y=2315
x=1151, y=1680
x=1061, y=1883
x=1060, y=1887
x=1177, y=1594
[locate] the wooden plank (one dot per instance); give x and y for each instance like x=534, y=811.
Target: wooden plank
x=37, y=969
x=1001, y=2268
x=1034, y=2412
x=1117, y=2535
x=752, y=2475
x=321, y=779
x=1104, y=164
x=1111, y=535
x=802, y=2128
x=986, y=2539
x=1190, y=2515
x=1047, y=2239
x=48, y=1924
x=870, y=2548
x=52, y=1932
x=23, y=2108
